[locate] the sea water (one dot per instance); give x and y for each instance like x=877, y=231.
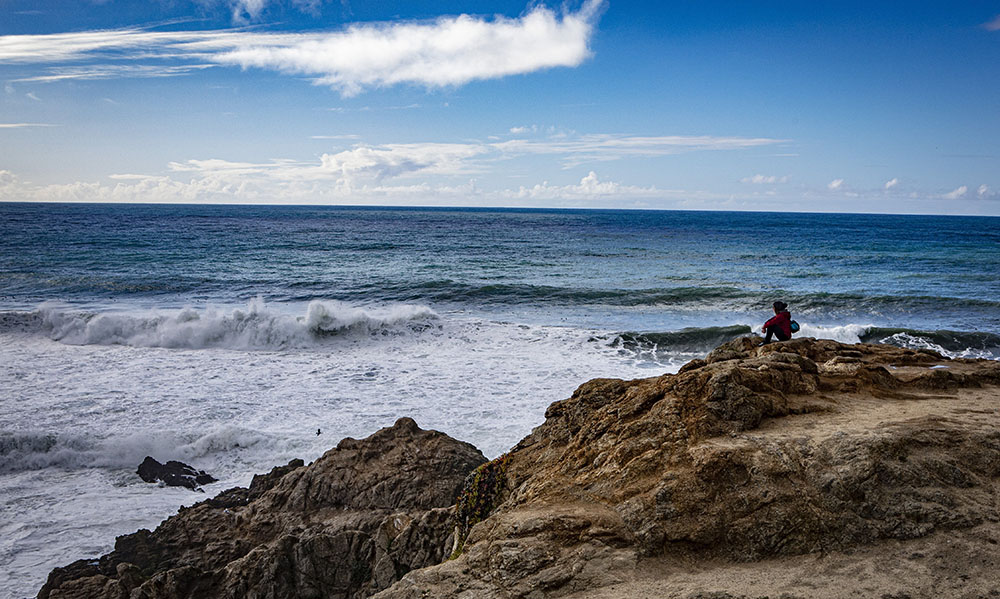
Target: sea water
x=235, y=338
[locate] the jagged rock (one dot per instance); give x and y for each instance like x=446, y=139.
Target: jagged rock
x=349, y=524
x=173, y=474
x=805, y=446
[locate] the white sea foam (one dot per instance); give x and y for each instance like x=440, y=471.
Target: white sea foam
x=255, y=328
x=912, y=341
x=848, y=333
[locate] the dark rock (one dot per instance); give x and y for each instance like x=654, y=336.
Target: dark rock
x=262, y=483
x=173, y=474
x=349, y=524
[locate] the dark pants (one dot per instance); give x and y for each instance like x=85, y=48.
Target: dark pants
x=774, y=330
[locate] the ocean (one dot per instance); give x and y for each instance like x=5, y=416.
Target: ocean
x=235, y=338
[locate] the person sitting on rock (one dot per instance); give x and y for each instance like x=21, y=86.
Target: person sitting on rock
x=781, y=325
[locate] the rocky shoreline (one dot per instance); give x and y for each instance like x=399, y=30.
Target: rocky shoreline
x=807, y=468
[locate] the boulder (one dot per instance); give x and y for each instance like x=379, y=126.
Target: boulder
x=173, y=474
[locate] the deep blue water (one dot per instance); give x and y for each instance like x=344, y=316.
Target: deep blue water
x=641, y=271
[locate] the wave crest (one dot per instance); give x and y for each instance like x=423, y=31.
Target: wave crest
x=695, y=340
x=21, y=451
x=253, y=328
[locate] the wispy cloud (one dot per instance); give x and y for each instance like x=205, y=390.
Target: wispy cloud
x=764, y=179
x=524, y=129
x=24, y=125
x=244, y=11
x=983, y=191
x=448, y=51
x=357, y=166
x=113, y=71
x=835, y=184
x=957, y=193
x=580, y=149
x=344, y=136
x=891, y=183
x=993, y=25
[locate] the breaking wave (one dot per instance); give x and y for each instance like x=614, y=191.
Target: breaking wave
x=253, y=328
x=20, y=451
x=698, y=341
x=691, y=340
x=954, y=344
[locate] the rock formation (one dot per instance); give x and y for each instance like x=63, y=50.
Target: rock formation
x=173, y=474
x=757, y=471
x=754, y=453
x=349, y=524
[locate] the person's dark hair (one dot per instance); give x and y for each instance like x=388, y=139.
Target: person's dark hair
x=779, y=306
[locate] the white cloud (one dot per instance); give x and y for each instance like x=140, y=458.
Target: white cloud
x=580, y=149
x=247, y=9
x=590, y=187
x=835, y=184
x=523, y=130
x=764, y=179
x=983, y=191
x=396, y=160
x=359, y=166
x=993, y=25
x=957, y=193
x=448, y=51
x=891, y=183
x=23, y=125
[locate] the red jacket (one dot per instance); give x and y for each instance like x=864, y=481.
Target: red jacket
x=783, y=321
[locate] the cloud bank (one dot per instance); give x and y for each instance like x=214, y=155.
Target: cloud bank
x=448, y=51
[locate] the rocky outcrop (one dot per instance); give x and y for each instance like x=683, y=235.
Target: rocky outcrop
x=349, y=524
x=714, y=482
x=753, y=453
x=173, y=474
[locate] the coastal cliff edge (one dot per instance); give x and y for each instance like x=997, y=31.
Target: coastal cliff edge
x=807, y=468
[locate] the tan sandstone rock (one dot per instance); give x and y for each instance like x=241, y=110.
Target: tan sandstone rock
x=755, y=453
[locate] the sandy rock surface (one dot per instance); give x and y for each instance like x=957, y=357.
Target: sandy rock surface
x=701, y=484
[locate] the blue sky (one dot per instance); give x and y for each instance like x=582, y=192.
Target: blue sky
x=802, y=106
